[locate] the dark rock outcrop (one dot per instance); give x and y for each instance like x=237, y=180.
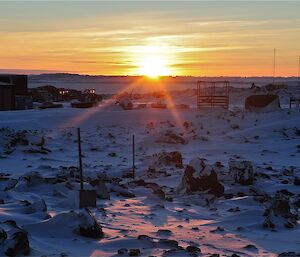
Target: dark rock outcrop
x=241, y=171
x=14, y=240
x=89, y=227
x=200, y=176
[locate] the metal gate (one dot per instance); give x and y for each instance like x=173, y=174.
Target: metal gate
x=213, y=94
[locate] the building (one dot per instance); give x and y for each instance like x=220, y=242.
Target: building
x=14, y=93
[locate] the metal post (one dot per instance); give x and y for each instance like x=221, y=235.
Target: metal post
x=299, y=74
x=80, y=158
x=133, y=160
x=274, y=65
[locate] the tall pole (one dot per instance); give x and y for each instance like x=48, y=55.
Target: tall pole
x=80, y=157
x=299, y=74
x=274, y=65
x=133, y=161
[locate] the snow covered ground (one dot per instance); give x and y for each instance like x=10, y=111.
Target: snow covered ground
x=39, y=184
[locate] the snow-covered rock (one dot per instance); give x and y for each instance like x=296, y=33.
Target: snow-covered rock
x=66, y=224
x=14, y=240
x=168, y=159
x=241, y=171
x=200, y=176
x=170, y=137
x=101, y=189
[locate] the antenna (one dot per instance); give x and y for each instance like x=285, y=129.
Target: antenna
x=274, y=65
x=298, y=74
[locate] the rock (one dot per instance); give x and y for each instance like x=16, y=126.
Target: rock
x=123, y=251
x=156, y=173
x=36, y=206
x=262, y=103
x=15, y=240
x=200, y=176
x=101, y=189
x=251, y=247
x=19, y=244
x=289, y=254
x=281, y=205
x=7, y=184
x=168, y=242
x=297, y=181
x=3, y=235
x=156, y=189
x=193, y=249
x=241, y=171
x=145, y=237
x=134, y=252
x=18, y=139
x=170, y=159
x=170, y=137
x=89, y=227
x=121, y=190
x=280, y=208
x=164, y=232
x=33, y=179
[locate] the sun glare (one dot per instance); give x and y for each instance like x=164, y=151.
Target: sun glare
x=153, y=67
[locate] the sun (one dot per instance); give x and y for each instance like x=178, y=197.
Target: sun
x=153, y=67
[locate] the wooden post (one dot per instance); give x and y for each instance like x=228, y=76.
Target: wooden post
x=133, y=160
x=80, y=158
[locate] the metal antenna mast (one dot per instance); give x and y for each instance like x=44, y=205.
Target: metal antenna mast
x=274, y=65
x=298, y=75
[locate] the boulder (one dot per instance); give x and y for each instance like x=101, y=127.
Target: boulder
x=279, y=210
x=14, y=240
x=101, y=189
x=241, y=171
x=89, y=227
x=170, y=137
x=156, y=189
x=169, y=159
x=200, y=176
x=38, y=205
x=262, y=103
x=156, y=173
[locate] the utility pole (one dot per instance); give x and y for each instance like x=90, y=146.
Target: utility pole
x=133, y=160
x=274, y=65
x=80, y=158
x=298, y=75
x=87, y=198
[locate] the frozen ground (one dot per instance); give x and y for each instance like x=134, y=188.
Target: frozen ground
x=38, y=187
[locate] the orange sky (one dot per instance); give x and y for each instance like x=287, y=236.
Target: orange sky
x=115, y=38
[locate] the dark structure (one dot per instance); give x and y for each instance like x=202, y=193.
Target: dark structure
x=264, y=103
x=213, y=94
x=13, y=93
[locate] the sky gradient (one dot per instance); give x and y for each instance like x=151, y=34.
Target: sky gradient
x=114, y=38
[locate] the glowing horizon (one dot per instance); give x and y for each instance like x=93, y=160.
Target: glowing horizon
x=156, y=39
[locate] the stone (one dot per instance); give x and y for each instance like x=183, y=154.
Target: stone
x=200, y=176
x=297, y=181
x=193, y=249
x=15, y=240
x=170, y=137
x=134, y=252
x=101, y=189
x=241, y=171
x=170, y=159
x=89, y=227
